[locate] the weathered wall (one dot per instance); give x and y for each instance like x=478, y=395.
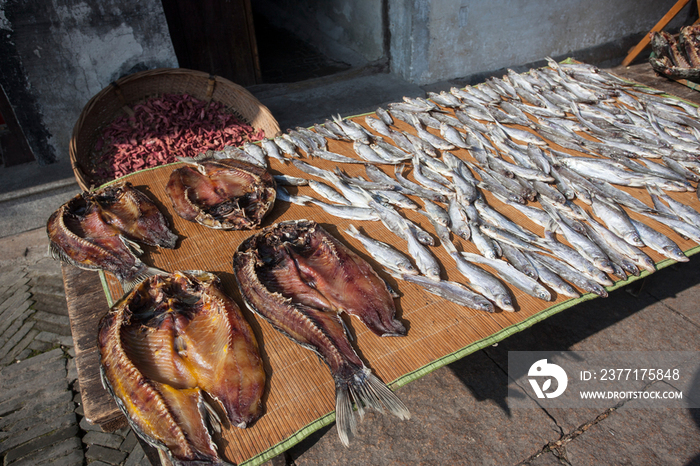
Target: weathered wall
x=346, y=30
x=444, y=39
x=55, y=55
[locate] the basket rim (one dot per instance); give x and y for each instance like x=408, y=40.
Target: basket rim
x=82, y=178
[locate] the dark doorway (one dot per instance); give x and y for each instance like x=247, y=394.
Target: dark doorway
x=215, y=36
x=14, y=148
x=284, y=58
x=230, y=38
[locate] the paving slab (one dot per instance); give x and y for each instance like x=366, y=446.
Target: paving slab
x=44, y=427
x=677, y=287
x=129, y=441
x=35, y=363
x=7, y=349
x=136, y=457
x=28, y=418
x=27, y=380
x=35, y=405
x=66, y=453
x=48, y=284
x=11, y=283
x=104, y=439
x=108, y=455
x=456, y=413
x=55, y=338
x=640, y=436
x=18, y=349
x=13, y=306
x=41, y=444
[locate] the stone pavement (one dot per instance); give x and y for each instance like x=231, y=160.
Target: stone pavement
x=41, y=419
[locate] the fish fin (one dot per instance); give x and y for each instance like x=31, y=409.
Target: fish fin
x=394, y=273
x=352, y=231
x=132, y=245
x=129, y=285
x=497, y=247
x=346, y=329
x=210, y=416
x=392, y=292
x=366, y=390
x=303, y=199
x=344, y=418
x=59, y=254
x=55, y=252
x=449, y=247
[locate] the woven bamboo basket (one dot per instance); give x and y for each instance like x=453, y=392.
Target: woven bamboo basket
x=119, y=98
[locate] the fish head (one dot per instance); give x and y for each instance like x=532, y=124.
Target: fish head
x=542, y=293
x=676, y=253
x=505, y=302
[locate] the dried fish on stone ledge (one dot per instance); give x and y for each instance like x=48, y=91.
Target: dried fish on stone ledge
x=180, y=361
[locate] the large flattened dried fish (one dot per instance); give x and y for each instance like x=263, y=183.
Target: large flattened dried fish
x=176, y=352
x=224, y=194
x=91, y=236
x=134, y=214
x=299, y=278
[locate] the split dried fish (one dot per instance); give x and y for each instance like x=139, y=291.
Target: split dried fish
x=175, y=352
x=300, y=278
x=89, y=236
x=222, y=194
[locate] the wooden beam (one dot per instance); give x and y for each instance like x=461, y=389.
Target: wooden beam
x=659, y=26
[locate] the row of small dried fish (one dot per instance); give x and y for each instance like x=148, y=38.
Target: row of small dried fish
x=615, y=134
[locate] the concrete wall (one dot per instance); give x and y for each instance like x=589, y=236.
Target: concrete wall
x=55, y=55
x=346, y=30
x=439, y=40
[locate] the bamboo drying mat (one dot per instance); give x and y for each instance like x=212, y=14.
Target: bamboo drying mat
x=300, y=392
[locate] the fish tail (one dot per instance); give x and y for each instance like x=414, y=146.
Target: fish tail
x=367, y=391
x=352, y=231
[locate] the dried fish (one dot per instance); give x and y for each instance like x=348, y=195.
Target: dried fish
x=166, y=344
x=481, y=281
x=451, y=291
x=134, y=214
x=222, y=194
x=79, y=236
x=512, y=276
x=274, y=269
x=386, y=255
x=272, y=149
